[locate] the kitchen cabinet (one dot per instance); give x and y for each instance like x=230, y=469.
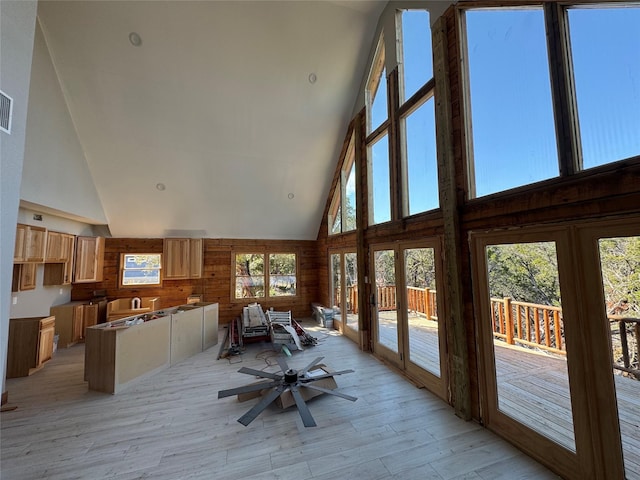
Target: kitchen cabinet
x=89, y=260
x=30, y=345
x=30, y=244
x=27, y=276
x=58, y=267
x=71, y=321
x=182, y=258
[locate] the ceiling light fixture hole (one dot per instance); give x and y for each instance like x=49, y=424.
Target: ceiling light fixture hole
x=161, y=186
x=312, y=78
x=135, y=39
x=290, y=196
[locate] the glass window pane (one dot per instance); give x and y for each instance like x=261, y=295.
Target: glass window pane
x=351, y=285
x=421, y=161
x=620, y=267
x=141, y=277
x=514, y=139
x=381, y=183
x=282, y=274
x=350, y=199
x=529, y=347
x=336, y=283
x=422, y=314
x=605, y=47
x=416, y=51
x=385, y=288
x=249, y=275
x=379, y=102
x=335, y=214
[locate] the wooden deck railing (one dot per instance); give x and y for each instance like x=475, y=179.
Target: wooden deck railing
x=622, y=328
x=528, y=324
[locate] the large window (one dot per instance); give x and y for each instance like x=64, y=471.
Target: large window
x=513, y=131
x=376, y=91
x=379, y=181
x=417, y=64
x=251, y=276
x=342, y=211
x=605, y=48
x=140, y=269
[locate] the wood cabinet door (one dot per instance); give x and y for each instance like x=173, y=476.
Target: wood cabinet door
x=54, y=247
x=89, y=259
x=89, y=317
x=78, y=323
x=195, y=258
x=176, y=258
x=35, y=244
x=18, y=253
x=45, y=344
x=28, y=276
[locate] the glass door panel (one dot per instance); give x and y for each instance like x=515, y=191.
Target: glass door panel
x=351, y=289
x=422, y=316
x=386, y=315
x=529, y=348
x=336, y=286
x=620, y=268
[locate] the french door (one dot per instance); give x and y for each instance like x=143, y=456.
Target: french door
x=558, y=319
x=407, y=315
x=344, y=292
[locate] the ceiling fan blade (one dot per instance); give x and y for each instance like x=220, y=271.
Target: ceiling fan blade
x=251, y=415
x=283, y=363
x=246, y=389
x=332, y=392
x=306, y=369
x=260, y=373
x=320, y=377
x=305, y=414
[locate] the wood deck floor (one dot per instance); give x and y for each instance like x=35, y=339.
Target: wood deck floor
x=534, y=389
x=172, y=426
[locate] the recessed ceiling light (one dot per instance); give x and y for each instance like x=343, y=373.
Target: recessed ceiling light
x=291, y=195
x=312, y=78
x=135, y=39
x=161, y=186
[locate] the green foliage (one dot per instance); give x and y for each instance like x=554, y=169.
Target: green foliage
x=420, y=269
x=620, y=264
x=526, y=272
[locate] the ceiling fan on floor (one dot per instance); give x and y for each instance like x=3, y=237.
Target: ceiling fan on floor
x=288, y=380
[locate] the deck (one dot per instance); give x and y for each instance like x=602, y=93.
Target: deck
x=534, y=389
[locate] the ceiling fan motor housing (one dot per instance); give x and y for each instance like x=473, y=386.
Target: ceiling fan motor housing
x=291, y=376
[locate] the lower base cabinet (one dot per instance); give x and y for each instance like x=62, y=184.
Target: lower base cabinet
x=30, y=345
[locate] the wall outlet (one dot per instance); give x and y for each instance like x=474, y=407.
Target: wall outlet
x=61, y=292
x=14, y=300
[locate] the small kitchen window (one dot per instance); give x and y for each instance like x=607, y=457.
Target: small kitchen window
x=140, y=269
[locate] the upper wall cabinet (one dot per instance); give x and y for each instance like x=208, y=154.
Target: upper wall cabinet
x=59, y=247
x=30, y=244
x=89, y=262
x=182, y=258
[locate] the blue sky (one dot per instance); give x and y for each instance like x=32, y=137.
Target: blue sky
x=514, y=140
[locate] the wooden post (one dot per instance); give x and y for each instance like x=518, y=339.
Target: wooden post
x=556, y=328
x=622, y=328
x=508, y=320
x=458, y=343
x=547, y=329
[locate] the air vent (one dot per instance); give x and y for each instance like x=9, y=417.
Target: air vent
x=6, y=110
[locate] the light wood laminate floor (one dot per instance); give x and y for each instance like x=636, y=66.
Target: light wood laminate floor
x=173, y=426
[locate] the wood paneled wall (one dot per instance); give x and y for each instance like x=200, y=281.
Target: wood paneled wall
x=216, y=282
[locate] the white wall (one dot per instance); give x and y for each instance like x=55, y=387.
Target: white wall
x=17, y=25
x=55, y=171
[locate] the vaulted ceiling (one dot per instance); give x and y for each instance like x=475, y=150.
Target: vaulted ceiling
x=239, y=108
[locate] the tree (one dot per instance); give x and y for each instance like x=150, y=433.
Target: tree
x=526, y=272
